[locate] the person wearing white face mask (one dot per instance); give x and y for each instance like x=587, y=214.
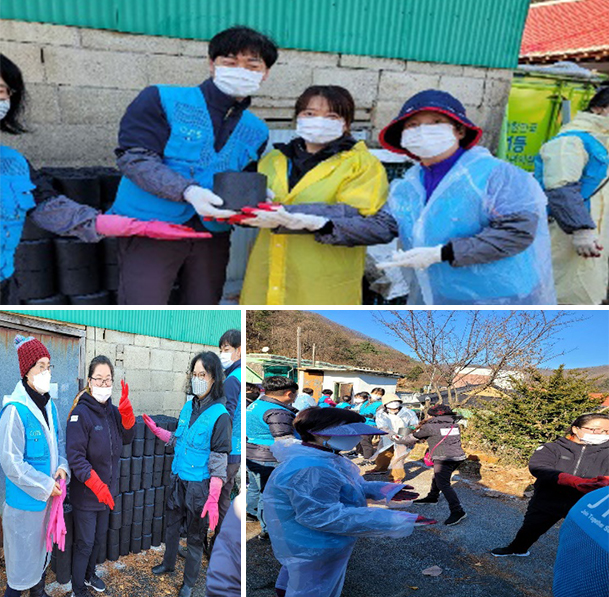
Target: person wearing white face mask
x=33, y=459
x=95, y=435
x=316, y=504
x=172, y=141
x=202, y=445
x=573, y=169
x=473, y=229
x=565, y=469
x=322, y=173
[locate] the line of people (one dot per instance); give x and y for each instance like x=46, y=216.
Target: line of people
x=34, y=457
x=472, y=228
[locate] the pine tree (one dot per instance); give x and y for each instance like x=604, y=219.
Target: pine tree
x=538, y=410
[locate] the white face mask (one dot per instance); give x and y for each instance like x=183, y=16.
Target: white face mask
x=226, y=359
x=343, y=443
x=5, y=106
x=199, y=386
x=595, y=438
x=237, y=81
x=428, y=140
x=318, y=129
x=42, y=382
x=395, y=405
x=101, y=394
x=359, y=401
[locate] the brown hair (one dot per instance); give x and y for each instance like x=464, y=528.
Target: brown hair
x=338, y=98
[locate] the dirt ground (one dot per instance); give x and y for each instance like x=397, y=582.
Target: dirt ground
x=495, y=499
x=130, y=576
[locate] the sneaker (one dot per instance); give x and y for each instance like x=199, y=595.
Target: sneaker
x=263, y=536
x=502, y=552
x=455, y=518
x=428, y=499
x=96, y=583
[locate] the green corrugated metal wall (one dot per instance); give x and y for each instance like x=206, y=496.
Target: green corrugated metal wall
x=473, y=32
x=197, y=326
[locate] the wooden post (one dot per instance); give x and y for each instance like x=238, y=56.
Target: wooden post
x=313, y=355
x=298, y=352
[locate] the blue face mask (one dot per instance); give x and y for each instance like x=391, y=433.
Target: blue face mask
x=343, y=443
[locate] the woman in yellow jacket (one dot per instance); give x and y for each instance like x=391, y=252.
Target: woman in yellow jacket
x=322, y=174
x=573, y=167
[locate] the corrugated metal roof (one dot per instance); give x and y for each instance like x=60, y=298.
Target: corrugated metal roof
x=197, y=325
x=470, y=32
x=275, y=359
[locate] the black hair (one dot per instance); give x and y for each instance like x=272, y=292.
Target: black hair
x=308, y=391
x=439, y=410
x=317, y=419
x=338, y=98
x=582, y=420
x=230, y=337
x=12, y=76
x=279, y=384
x=239, y=39
x=346, y=398
x=600, y=99
x=364, y=395
x=212, y=365
x=100, y=360
x=378, y=391
x=327, y=392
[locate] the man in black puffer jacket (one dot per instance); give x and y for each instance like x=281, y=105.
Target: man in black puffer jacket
x=565, y=470
x=443, y=437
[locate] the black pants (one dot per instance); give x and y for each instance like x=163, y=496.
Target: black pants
x=224, y=501
x=540, y=517
x=89, y=530
x=196, y=539
x=365, y=447
x=442, y=472
x=149, y=268
x=36, y=591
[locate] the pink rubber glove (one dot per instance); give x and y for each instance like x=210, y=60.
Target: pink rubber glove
x=211, y=505
x=111, y=225
x=161, y=433
x=56, y=531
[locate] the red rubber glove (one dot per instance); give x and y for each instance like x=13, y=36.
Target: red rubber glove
x=421, y=520
x=592, y=484
x=100, y=489
x=125, y=408
x=211, y=505
x=404, y=496
x=161, y=433
x=571, y=480
x=111, y=225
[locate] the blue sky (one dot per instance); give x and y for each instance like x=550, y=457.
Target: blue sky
x=586, y=343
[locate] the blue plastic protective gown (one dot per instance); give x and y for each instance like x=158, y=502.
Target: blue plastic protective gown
x=477, y=189
x=315, y=508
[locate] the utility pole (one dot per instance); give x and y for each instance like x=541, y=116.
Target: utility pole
x=298, y=351
x=313, y=356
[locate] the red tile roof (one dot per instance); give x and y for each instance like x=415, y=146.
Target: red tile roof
x=565, y=28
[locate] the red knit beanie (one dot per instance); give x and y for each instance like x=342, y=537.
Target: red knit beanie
x=29, y=350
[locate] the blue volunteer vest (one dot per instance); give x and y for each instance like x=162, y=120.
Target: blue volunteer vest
x=257, y=430
x=457, y=209
x=369, y=408
x=190, y=152
x=343, y=405
x=36, y=453
x=15, y=200
x=236, y=440
x=192, y=447
x=595, y=170
x=323, y=404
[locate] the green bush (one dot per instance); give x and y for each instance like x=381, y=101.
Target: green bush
x=538, y=410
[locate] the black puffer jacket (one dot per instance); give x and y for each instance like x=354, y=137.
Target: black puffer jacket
x=435, y=430
x=566, y=456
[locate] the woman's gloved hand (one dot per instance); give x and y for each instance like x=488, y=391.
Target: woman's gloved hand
x=100, y=489
x=592, y=484
x=112, y=225
x=586, y=243
x=422, y=521
x=125, y=408
x=211, y=505
x=161, y=433
x=206, y=203
x=404, y=495
x=417, y=258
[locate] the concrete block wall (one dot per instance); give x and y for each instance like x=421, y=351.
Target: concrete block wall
x=155, y=368
x=80, y=82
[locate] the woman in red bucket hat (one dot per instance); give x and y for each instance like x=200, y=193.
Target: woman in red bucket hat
x=473, y=229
